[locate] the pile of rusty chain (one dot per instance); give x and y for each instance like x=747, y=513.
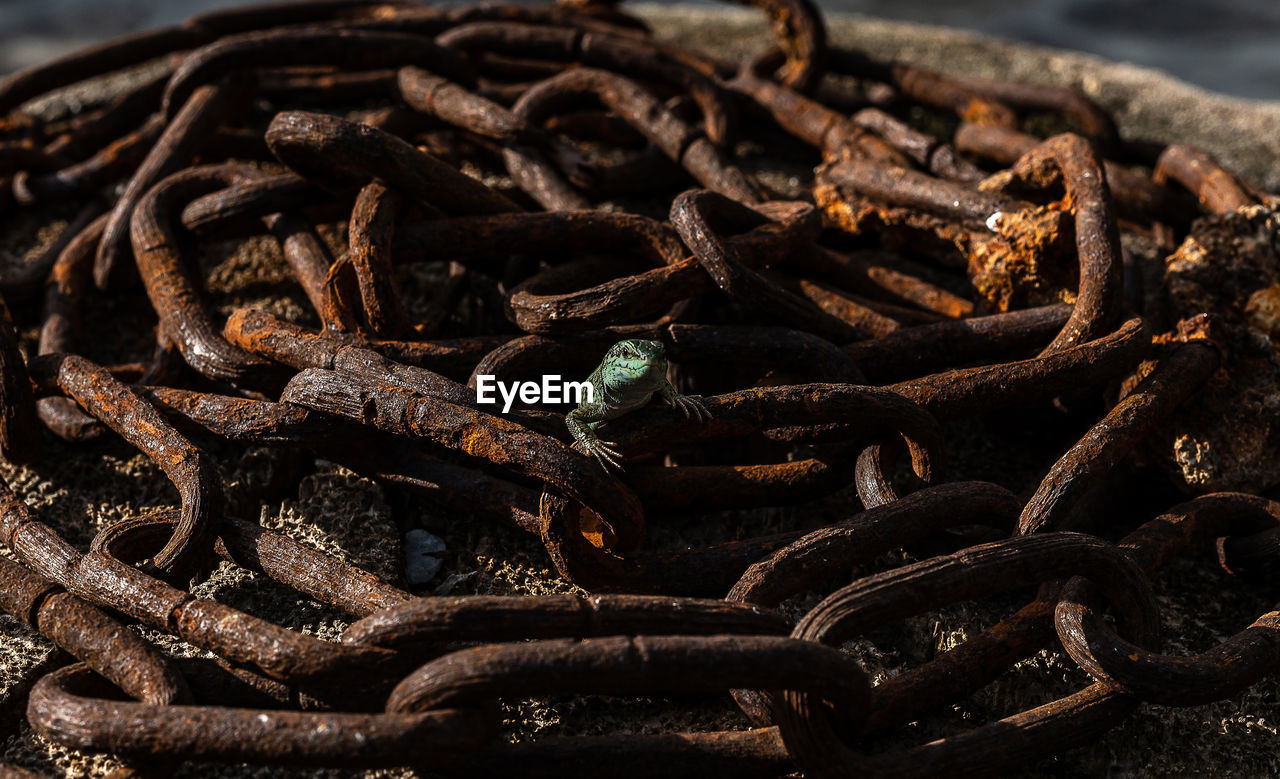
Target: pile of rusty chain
x=571, y=181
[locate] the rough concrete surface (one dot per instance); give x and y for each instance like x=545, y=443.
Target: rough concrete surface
x=78, y=490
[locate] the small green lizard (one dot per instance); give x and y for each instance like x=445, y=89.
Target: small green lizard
x=628, y=376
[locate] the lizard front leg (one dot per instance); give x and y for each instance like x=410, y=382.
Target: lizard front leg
x=686, y=403
x=583, y=431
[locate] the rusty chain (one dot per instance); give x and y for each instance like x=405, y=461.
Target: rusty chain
x=575, y=181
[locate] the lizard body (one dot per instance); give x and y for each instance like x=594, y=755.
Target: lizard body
x=631, y=372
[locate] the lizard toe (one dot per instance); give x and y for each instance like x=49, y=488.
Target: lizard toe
x=607, y=462
x=695, y=403
x=606, y=454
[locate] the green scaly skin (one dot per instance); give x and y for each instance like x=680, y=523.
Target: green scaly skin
x=625, y=380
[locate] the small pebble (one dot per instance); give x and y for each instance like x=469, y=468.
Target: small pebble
x=421, y=565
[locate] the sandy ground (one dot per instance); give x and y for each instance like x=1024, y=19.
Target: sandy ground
x=79, y=490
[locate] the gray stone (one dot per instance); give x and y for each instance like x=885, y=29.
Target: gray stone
x=420, y=562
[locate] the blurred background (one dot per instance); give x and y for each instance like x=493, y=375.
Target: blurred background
x=1228, y=46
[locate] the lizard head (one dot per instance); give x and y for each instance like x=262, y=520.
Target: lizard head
x=636, y=360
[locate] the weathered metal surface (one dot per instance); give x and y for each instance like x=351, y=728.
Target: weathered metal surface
x=790, y=302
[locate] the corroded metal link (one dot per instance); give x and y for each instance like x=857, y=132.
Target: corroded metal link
x=870, y=131
x=856, y=541
x=1175, y=376
x=1070, y=158
x=236, y=636
x=303, y=89
x=205, y=109
x=929, y=153
x=256, y=197
x=976, y=390
x=538, y=306
x=679, y=141
x=110, y=163
x=245, y=420
x=879, y=599
x=969, y=391
x=817, y=556
x=984, y=100
x=769, y=348
x=139, y=423
x=913, y=189
x=23, y=85
x=421, y=363
x=873, y=277
x=510, y=618
x=88, y=634
x=26, y=280
x=1216, y=188
x=802, y=36
x=1138, y=198
x=925, y=86
x=972, y=391
x=633, y=665
x=445, y=484
x=715, y=487
x=552, y=231
x=173, y=292
x=1214, y=674
x=1094, y=121
x=373, y=224
x=625, y=54
x=86, y=133
x=309, y=259
x=962, y=670
x=337, y=153
x=69, y=707
x=452, y=103
x=913, y=350
x=355, y=49
x=701, y=218
x=279, y=557
x=20, y=157
x=810, y=121
x=229, y=21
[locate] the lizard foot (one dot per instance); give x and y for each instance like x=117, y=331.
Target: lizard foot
x=605, y=454
x=692, y=406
